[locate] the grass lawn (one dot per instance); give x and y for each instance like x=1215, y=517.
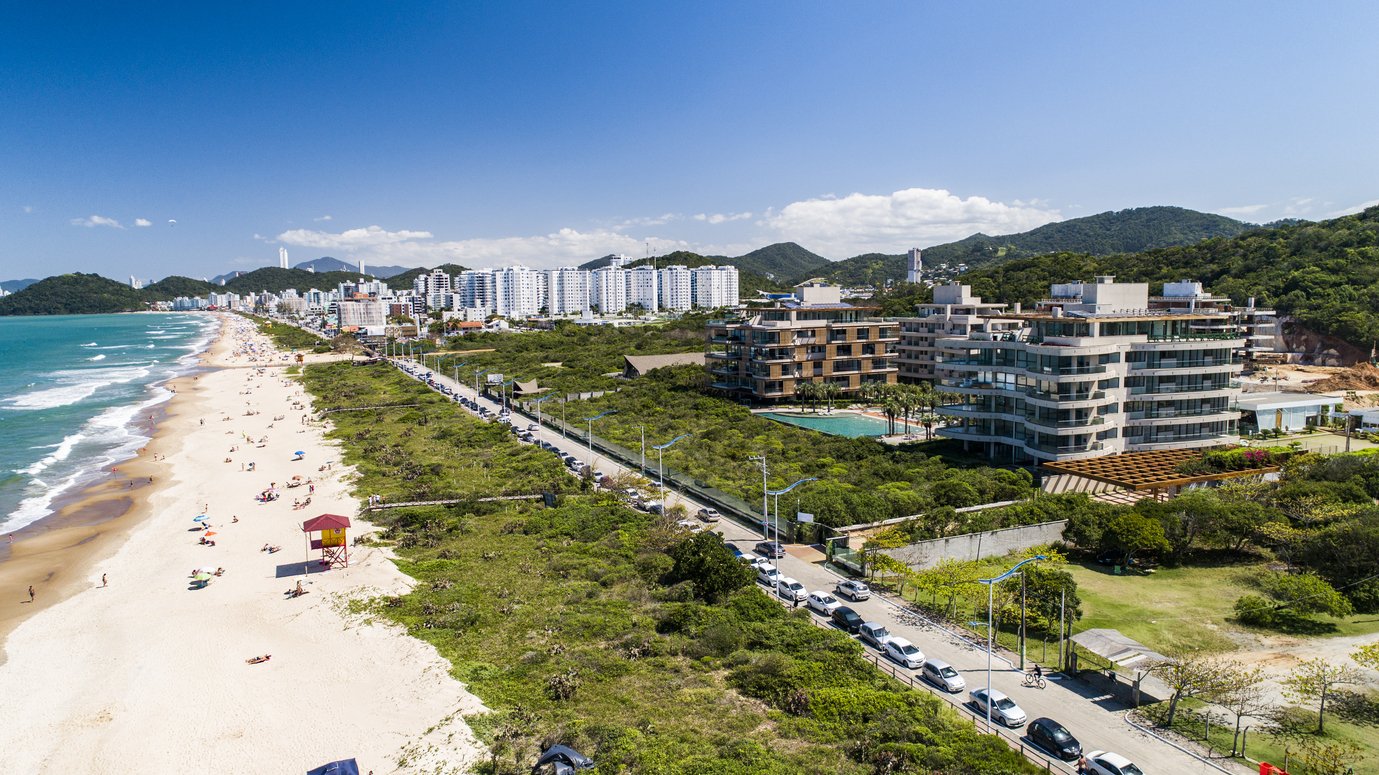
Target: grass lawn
x=1177, y=608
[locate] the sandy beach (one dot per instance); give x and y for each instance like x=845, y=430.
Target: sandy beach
x=148, y=673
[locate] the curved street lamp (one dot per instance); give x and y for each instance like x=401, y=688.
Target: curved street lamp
x=777, y=493
x=590, y=420
x=990, y=632
x=538, y=410
x=662, y=464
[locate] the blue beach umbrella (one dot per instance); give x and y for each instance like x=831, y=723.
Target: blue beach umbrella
x=299, y=452
x=201, y=518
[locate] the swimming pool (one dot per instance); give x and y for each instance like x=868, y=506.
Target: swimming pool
x=837, y=424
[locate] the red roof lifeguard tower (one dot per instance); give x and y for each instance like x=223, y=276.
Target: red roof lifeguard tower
x=334, y=549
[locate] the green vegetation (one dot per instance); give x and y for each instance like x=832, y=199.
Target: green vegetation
x=73, y=294
x=170, y=288
x=290, y=337
x=1326, y=275
x=1124, y=231
x=589, y=623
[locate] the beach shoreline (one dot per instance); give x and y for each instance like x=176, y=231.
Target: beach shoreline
x=98, y=668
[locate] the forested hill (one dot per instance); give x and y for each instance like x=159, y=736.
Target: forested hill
x=1325, y=275
x=1123, y=231
x=73, y=294
x=403, y=280
x=775, y=266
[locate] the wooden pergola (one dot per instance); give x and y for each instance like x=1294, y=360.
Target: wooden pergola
x=1155, y=471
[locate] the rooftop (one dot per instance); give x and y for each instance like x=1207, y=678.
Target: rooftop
x=1151, y=470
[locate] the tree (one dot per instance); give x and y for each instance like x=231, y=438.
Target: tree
x=1316, y=680
x=1189, y=674
x=1185, y=519
x=1242, y=692
x=1367, y=656
x=704, y=560
x=1132, y=531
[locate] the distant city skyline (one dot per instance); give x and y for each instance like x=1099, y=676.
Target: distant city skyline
x=151, y=141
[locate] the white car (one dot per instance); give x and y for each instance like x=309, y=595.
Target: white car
x=822, y=603
x=1107, y=763
x=1003, y=709
x=903, y=652
x=758, y=563
x=768, y=575
x=942, y=675
x=690, y=525
x=790, y=589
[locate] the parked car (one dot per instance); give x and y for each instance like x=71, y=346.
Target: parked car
x=758, y=562
x=942, y=675
x=738, y=553
x=1107, y=763
x=690, y=525
x=846, y=619
x=903, y=652
x=654, y=507
x=853, y=590
x=770, y=548
x=790, y=589
x=709, y=515
x=875, y=634
x=822, y=603
x=533, y=427
x=768, y=575
x=1054, y=738
x=1003, y=709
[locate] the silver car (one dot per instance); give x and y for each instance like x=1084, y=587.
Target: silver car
x=853, y=590
x=1003, y=709
x=822, y=603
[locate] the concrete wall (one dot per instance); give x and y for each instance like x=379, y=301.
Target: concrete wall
x=974, y=546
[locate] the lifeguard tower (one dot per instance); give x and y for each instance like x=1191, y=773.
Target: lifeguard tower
x=334, y=548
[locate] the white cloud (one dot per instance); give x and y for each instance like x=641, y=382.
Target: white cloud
x=717, y=218
x=27, y=209
x=654, y=220
x=142, y=222
x=1353, y=209
x=839, y=227
x=1242, y=211
x=565, y=247
x=92, y=221
x=324, y=218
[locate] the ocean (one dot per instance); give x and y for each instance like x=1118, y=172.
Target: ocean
x=75, y=395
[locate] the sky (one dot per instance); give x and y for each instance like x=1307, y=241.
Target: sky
x=152, y=139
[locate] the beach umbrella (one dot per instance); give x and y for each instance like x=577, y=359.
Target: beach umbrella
x=299, y=452
x=201, y=518
x=209, y=533
x=204, y=570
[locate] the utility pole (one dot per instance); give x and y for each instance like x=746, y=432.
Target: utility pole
x=765, y=504
x=642, y=428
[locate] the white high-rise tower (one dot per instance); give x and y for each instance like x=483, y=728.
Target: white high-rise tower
x=361, y=267
x=914, y=275
x=282, y=258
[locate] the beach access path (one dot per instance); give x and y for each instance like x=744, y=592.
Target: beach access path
x=148, y=674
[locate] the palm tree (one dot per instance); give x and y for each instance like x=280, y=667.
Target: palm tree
x=891, y=406
x=807, y=391
x=829, y=391
x=909, y=399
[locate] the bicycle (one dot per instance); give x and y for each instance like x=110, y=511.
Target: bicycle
x=1033, y=680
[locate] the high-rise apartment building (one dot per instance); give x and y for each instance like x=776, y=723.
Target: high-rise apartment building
x=1096, y=371
x=814, y=337
x=715, y=286
x=282, y=258
x=643, y=285
x=476, y=290
x=676, y=288
x=567, y=291
x=519, y=291
x=608, y=290
x=915, y=272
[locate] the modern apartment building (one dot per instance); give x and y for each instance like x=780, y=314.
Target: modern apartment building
x=1256, y=325
x=608, y=290
x=476, y=290
x=643, y=286
x=813, y=337
x=1096, y=371
x=567, y=291
x=676, y=288
x=955, y=312
x=715, y=286
x=519, y=291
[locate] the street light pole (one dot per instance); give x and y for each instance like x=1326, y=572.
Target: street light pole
x=662, y=465
x=642, y=428
x=990, y=633
x=777, y=493
x=590, y=420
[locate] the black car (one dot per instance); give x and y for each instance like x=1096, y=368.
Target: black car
x=772, y=549
x=847, y=620
x=1054, y=738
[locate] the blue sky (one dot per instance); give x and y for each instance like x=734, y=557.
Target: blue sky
x=549, y=134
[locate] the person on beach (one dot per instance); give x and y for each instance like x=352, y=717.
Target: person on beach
x=31, y=593
x=103, y=581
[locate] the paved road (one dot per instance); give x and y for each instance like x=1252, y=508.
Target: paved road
x=1098, y=722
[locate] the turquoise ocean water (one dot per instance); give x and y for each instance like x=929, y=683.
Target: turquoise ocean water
x=73, y=392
